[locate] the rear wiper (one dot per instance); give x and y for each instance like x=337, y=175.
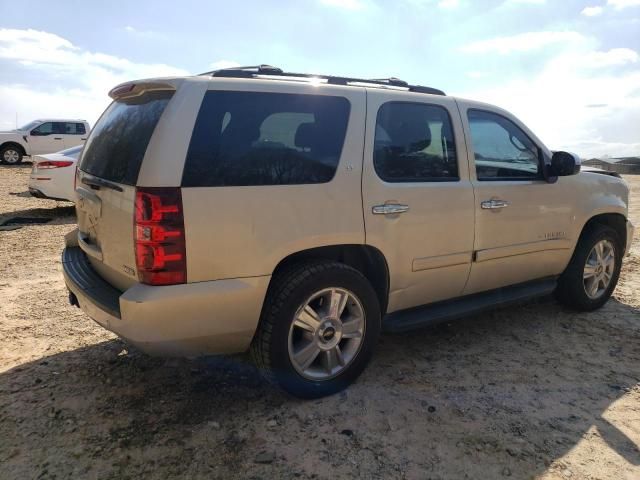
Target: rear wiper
x=96, y=183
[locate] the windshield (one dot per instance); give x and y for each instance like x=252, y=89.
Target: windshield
x=29, y=125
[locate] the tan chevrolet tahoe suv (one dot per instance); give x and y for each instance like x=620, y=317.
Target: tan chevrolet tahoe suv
x=298, y=216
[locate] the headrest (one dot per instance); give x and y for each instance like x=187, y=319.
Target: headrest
x=407, y=127
x=305, y=135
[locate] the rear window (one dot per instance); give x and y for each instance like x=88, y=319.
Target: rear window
x=116, y=146
x=256, y=138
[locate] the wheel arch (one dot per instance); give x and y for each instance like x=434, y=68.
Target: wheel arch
x=366, y=259
x=11, y=143
x=616, y=221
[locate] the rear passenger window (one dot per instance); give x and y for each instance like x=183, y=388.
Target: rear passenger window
x=255, y=138
x=74, y=128
x=414, y=143
x=118, y=142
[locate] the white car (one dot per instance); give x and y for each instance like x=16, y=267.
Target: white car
x=41, y=136
x=53, y=175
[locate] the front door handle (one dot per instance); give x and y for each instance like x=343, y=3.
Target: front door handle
x=493, y=204
x=57, y=138
x=389, y=209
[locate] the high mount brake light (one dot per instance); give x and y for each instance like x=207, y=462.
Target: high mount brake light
x=159, y=236
x=122, y=89
x=54, y=164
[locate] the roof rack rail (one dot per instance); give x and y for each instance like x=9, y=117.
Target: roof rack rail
x=261, y=71
x=244, y=72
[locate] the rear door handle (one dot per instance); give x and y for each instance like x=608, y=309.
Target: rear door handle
x=57, y=138
x=493, y=204
x=389, y=209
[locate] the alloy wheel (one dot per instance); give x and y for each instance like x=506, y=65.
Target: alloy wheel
x=326, y=334
x=599, y=269
x=11, y=156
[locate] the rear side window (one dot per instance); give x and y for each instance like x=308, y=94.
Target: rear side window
x=74, y=128
x=414, y=143
x=256, y=138
x=117, y=144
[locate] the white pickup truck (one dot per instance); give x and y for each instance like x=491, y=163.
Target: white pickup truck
x=41, y=136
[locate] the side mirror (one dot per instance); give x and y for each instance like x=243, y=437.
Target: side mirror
x=564, y=164
x=37, y=133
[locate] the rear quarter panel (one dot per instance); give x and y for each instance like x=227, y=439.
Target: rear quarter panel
x=234, y=232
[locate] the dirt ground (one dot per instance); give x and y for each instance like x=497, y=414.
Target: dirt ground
x=533, y=391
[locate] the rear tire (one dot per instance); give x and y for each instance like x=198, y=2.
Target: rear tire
x=592, y=274
x=327, y=309
x=11, y=155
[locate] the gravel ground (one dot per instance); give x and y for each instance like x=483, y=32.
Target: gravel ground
x=533, y=391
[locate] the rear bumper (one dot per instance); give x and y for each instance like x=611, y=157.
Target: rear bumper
x=192, y=319
x=40, y=190
x=630, y=231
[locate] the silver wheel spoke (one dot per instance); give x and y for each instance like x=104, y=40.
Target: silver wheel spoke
x=339, y=355
x=337, y=304
x=307, y=319
x=593, y=288
x=589, y=271
x=351, y=329
x=330, y=360
x=307, y=355
x=609, y=261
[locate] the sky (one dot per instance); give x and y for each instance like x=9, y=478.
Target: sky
x=569, y=69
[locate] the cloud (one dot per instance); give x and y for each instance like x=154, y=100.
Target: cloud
x=522, y=42
x=448, y=3
x=592, y=11
x=611, y=58
x=582, y=99
x=223, y=64
x=66, y=80
x=346, y=4
x=475, y=74
x=524, y=2
x=143, y=33
x=620, y=4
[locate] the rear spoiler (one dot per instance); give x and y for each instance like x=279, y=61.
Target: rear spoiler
x=135, y=89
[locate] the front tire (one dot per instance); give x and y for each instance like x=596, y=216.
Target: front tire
x=319, y=327
x=11, y=155
x=592, y=274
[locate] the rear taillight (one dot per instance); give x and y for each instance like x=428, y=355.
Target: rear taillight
x=159, y=236
x=54, y=164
